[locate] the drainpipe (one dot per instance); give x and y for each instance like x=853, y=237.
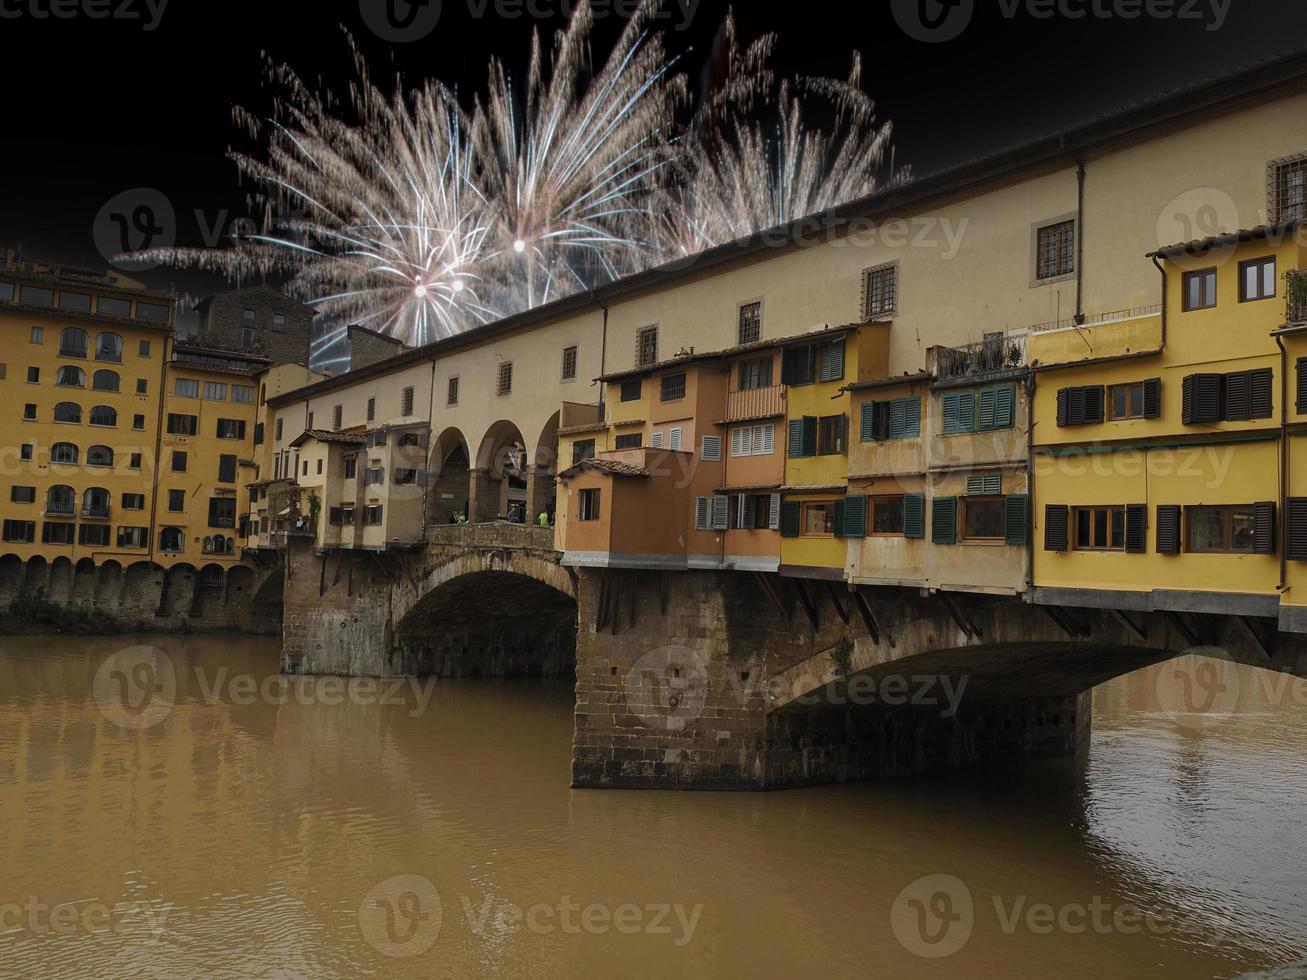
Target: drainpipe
x=158, y=442
x=1080, y=240
x=1162, y=269
x=603, y=351
x=1032, y=382
x=1284, y=461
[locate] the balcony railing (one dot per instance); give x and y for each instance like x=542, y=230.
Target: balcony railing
x=1296, y=292
x=97, y=513
x=993, y=355
x=755, y=403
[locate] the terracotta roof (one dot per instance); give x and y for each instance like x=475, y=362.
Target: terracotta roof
x=327, y=435
x=1199, y=245
x=613, y=467
x=888, y=382
x=587, y=427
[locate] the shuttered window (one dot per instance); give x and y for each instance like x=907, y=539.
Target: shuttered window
x=914, y=515
x=791, y=516
x=896, y=419
x=798, y=365
x=830, y=361
x=802, y=437
x=944, y=520
x=1056, y=519
x=774, y=517
x=1302, y=385
x=1264, y=528
x=1235, y=397
x=1136, y=529
x=978, y=411
x=1295, y=520
x=712, y=449
x=1168, y=529
x=1016, y=519
x=1080, y=406
x=712, y=513
x=985, y=484
x=854, y=522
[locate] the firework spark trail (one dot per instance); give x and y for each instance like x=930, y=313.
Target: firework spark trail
x=420, y=219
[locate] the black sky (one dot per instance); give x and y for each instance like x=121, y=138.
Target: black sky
x=104, y=105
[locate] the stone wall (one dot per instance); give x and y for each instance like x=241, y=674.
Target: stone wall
x=222, y=324
x=368, y=347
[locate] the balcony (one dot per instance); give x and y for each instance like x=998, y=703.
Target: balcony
x=579, y=414
x=95, y=513
x=996, y=354
x=1296, y=292
x=755, y=403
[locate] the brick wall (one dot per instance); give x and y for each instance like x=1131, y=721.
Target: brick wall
x=223, y=321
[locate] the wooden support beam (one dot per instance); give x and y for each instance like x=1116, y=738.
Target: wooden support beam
x=868, y=617
x=322, y=575
x=1121, y=617
x=1183, y=628
x=765, y=583
x=1063, y=621
x=635, y=597
x=835, y=600
x=601, y=604
x=1261, y=644
x=806, y=602
x=964, y=622
x=615, y=601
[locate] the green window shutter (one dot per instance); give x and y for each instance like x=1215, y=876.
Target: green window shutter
x=1016, y=518
x=897, y=412
x=840, y=510
x=855, y=516
x=967, y=412
x=988, y=405
x=790, y=517
x=949, y=410
x=809, y=436
x=794, y=439
x=868, y=421
x=1005, y=408
x=914, y=515
x=944, y=520
x=912, y=418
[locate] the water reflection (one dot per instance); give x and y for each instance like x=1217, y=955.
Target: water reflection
x=254, y=835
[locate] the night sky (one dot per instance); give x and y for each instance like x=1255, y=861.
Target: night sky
x=105, y=105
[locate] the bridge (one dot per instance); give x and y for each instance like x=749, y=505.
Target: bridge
x=721, y=680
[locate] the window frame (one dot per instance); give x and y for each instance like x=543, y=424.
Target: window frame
x=1135, y=410
x=966, y=503
x=805, y=506
x=888, y=305
x=753, y=310
x=1227, y=529
x=675, y=395
x=1058, y=273
x=641, y=334
x=1115, y=513
x=1258, y=263
x=1208, y=277
x=571, y=356
x=879, y=500
x=589, y=503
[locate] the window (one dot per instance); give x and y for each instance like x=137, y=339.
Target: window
x=182, y=425
x=630, y=391
x=1199, y=290
x=406, y=396
x=753, y=440
x=983, y=518
x=171, y=539
x=712, y=513
x=151, y=311
x=242, y=394
x=1288, y=178
x=96, y=535
x=279, y=323
x=222, y=512
x=504, y=379
x=711, y=449
x=277, y=430
x=133, y=501
x=674, y=439
x=68, y=376
x=247, y=319
x=178, y=461
x=830, y=435
x=215, y=391
x=176, y=500
x=36, y=296
x=37, y=335
x=1235, y=397
x=68, y=412
x=337, y=416
x=142, y=386
x=582, y=449
x=247, y=338
x=25, y=452
x=80, y=302
x=1221, y=529
x=451, y=393
x=1080, y=406
x=105, y=381
x=60, y=501
x=749, y=327
x=109, y=306
x=22, y=532
x=656, y=440
x=880, y=291
x=64, y=452
x=629, y=442
x=896, y=419
x=1257, y=279
x=756, y=511
x=672, y=387
x=817, y=519
x=403, y=477
x=569, y=363
x=22, y=495
x=755, y=373
x=109, y=347
x=589, y=505
x=1137, y=400
x=887, y=515
x=138, y=422
x=58, y=533
x=1055, y=250
x=231, y=429
x=226, y=468
x=29, y=411
x=186, y=388
x=1099, y=528
x=372, y=410
x=372, y=515
x=99, y=456
x=143, y=349
x=646, y=346
x=33, y=375
x=133, y=537
x=830, y=361
x=103, y=415
x=72, y=342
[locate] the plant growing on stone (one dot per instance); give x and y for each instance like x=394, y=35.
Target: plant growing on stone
x=841, y=657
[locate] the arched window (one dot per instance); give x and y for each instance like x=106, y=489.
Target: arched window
x=104, y=415
x=171, y=539
x=109, y=347
x=95, y=502
x=59, y=501
x=99, y=456
x=72, y=342
x=63, y=452
x=105, y=381
x=70, y=376
x=68, y=412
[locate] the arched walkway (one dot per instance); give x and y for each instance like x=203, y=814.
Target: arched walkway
x=498, y=486
x=451, y=467
x=542, y=478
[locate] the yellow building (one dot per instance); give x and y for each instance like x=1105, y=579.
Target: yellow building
x=1159, y=434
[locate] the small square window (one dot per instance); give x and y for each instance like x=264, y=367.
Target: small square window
x=1055, y=250
x=142, y=386
x=504, y=384
x=247, y=319
x=179, y=462
x=630, y=391
x=1126, y=401
x=451, y=394
x=29, y=412
x=143, y=350
x=1257, y=279
x=33, y=375
x=138, y=422
x=589, y=505
x=749, y=328
x=38, y=335
x=673, y=387
x=880, y=291
x=646, y=346
x=176, y=500
x=1199, y=290
x=279, y=323
x=569, y=363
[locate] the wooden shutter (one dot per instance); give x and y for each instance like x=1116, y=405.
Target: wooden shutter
x=944, y=520
x=774, y=517
x=1153, y=398
x=702, y=514
x=721, y=512
x=1005, y=408
x=656, y=440
x=841, y=509
x=914, y=515
x=985, y=485
x=794, y=439
x=988, y=405
x=744, y=511
x=1056, y=519
x=1063, y=407
x=1168, y=529
x=712, y=449
x=1302, y=385
x=741, y=444
x=1093, y=403
x=967, y=412
x=1136, y=528
x=831, y=364
x=1295, y=531
x=809, y=436
x=1201, y=400
x=855, y=516
x=1016, y=519
x=896, y=418
x=791, y=516
x=1238, y=396
x=949, y=412
x=1259, y=400
x=768, y=445
x=1264, y=528
x=867, y=422
x=912, y=418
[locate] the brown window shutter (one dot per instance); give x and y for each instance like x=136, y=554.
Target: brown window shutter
x=1168, y=529
x=1153, y=398
x=1093, y=403
x=1264, y=528
x=1259, y=384
x=1202, y=399
x=1295, y=531
x=1056, y=517
x=1063, y=397
x=1075, y=413
x=1302, y=384
x=1136, y=528
x=1238, y=396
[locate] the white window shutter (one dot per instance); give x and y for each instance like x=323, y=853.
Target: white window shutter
x=774, y=519
x=712, y=448
x=721, y=506
x=701, y=513
x=674, y=444
x=740, y=441
x=656, y=441
x=746, y=510
x=768, y=440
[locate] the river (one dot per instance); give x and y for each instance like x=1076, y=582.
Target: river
x=253, y=826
